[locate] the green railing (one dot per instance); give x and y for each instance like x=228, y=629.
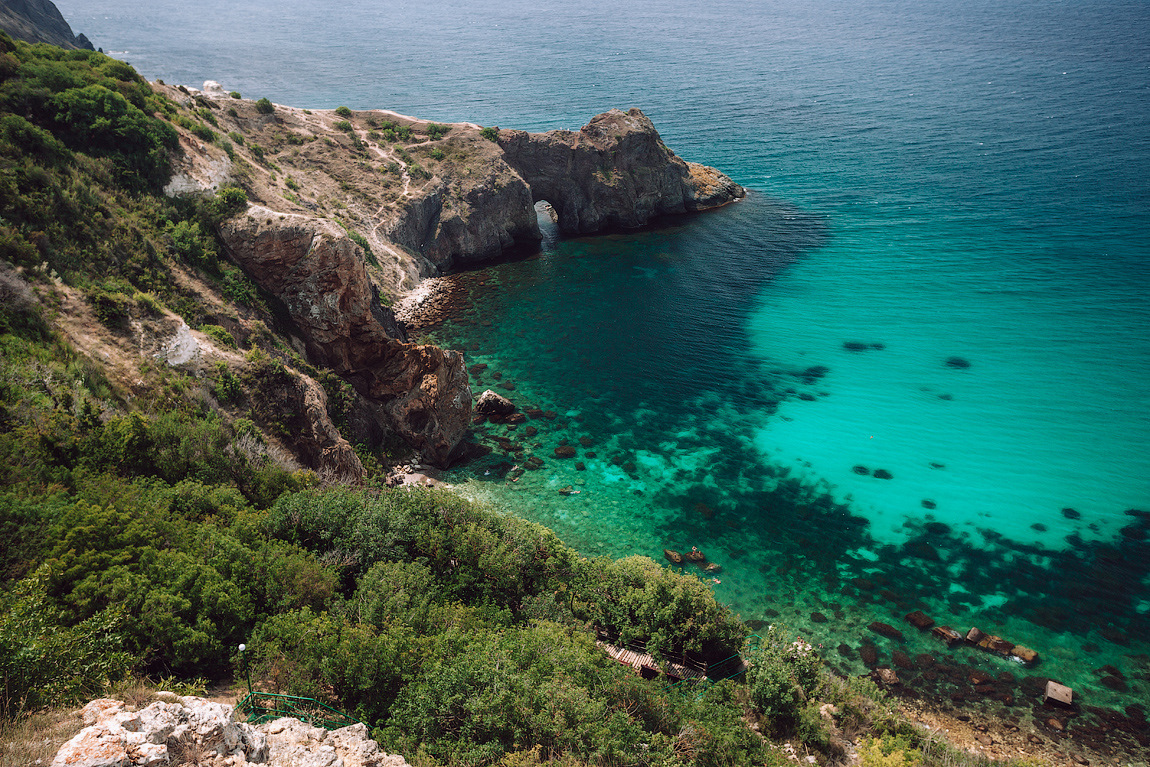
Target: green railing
x=260, y=707
x=728, y=668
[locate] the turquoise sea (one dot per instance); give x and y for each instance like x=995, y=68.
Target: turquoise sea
x=941, y=271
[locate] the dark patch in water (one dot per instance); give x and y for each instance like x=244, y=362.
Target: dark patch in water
x=957, y=362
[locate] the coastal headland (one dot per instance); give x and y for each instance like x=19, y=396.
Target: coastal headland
x=349, y=210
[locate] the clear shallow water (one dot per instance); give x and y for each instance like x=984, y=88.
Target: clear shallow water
x=944, y=181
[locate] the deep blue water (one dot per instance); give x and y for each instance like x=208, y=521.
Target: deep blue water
x=936, y=179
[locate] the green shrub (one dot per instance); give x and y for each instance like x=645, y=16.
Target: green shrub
x=491, y=134
x=235, y=94
x=220, y=335
x=265, y=107
x=44, y=663
x=362, y=242
x=344, y=126
x=257, y=151
x=784, y=673
x=113, y=307
x=236, y=137
x=237, y=288
x=436, y=131
x=343, y=112
x=203, y=132
x=436, y=154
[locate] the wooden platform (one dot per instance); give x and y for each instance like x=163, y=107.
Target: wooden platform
x=646, y=664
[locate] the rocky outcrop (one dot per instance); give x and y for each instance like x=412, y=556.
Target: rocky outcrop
x=318, y=272
x=39, y=21
x=418, y=199
x=468, y=218
x=193, y=731
x=614, y=172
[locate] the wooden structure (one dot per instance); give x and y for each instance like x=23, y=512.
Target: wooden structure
x=648, y=667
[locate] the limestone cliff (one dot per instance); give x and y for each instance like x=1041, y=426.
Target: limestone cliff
x=614, y=172
x=351, y=206
x=39, y=21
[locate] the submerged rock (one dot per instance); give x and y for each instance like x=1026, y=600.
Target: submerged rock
x=886, y=630
x=490, y=403
x=957, y=362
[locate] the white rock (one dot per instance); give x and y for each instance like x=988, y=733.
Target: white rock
x=172, y=728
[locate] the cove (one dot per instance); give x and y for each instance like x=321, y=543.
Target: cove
x=642, y=357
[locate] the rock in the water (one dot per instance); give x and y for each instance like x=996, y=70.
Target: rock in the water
x=855, y=346
x=673, y=557
x=886, y=630
x=1058, y=695
x=882, y=474
x=1071, y=513
x=861, y=470
x=919, y=620
x=886, y=676
x=818, y=618
x=490, y=403
x=947, y=634
x=869, y=653
x=614, y=172
x=1025, y=654
x=694, y=555
x=902, y=660
x=957, y=362
x=564, y=451
x=974, y=636
x=995, y=644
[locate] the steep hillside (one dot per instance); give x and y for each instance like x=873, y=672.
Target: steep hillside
x=39, y=21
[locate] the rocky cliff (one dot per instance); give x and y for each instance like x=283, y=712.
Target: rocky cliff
x=39, y=21
x=615, y=172
x=349, y=207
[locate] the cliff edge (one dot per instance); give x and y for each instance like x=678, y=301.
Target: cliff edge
x=352, y=209
x=39, y=21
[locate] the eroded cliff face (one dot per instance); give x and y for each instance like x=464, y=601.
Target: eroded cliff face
x=421, y=198
x=318, y=272
x=615, y=172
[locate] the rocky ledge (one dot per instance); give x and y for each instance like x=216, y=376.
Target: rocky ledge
x=351, y=206
x=194, y=731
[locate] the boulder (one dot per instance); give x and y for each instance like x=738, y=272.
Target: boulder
x=995, y=644
x=673, y=557
x=490, y=403
x=974, y=636
x=919, y=620
x=564, y=451
x=886, y=630
x=1058, y=695
x=886, y=676
x=947, y=634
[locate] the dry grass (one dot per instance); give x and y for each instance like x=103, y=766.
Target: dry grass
x=34, y=740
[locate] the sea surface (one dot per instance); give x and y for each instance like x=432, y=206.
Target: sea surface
x=910, y=371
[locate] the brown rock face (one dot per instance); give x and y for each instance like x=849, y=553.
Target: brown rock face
x=312, y=266
x=614, y=172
